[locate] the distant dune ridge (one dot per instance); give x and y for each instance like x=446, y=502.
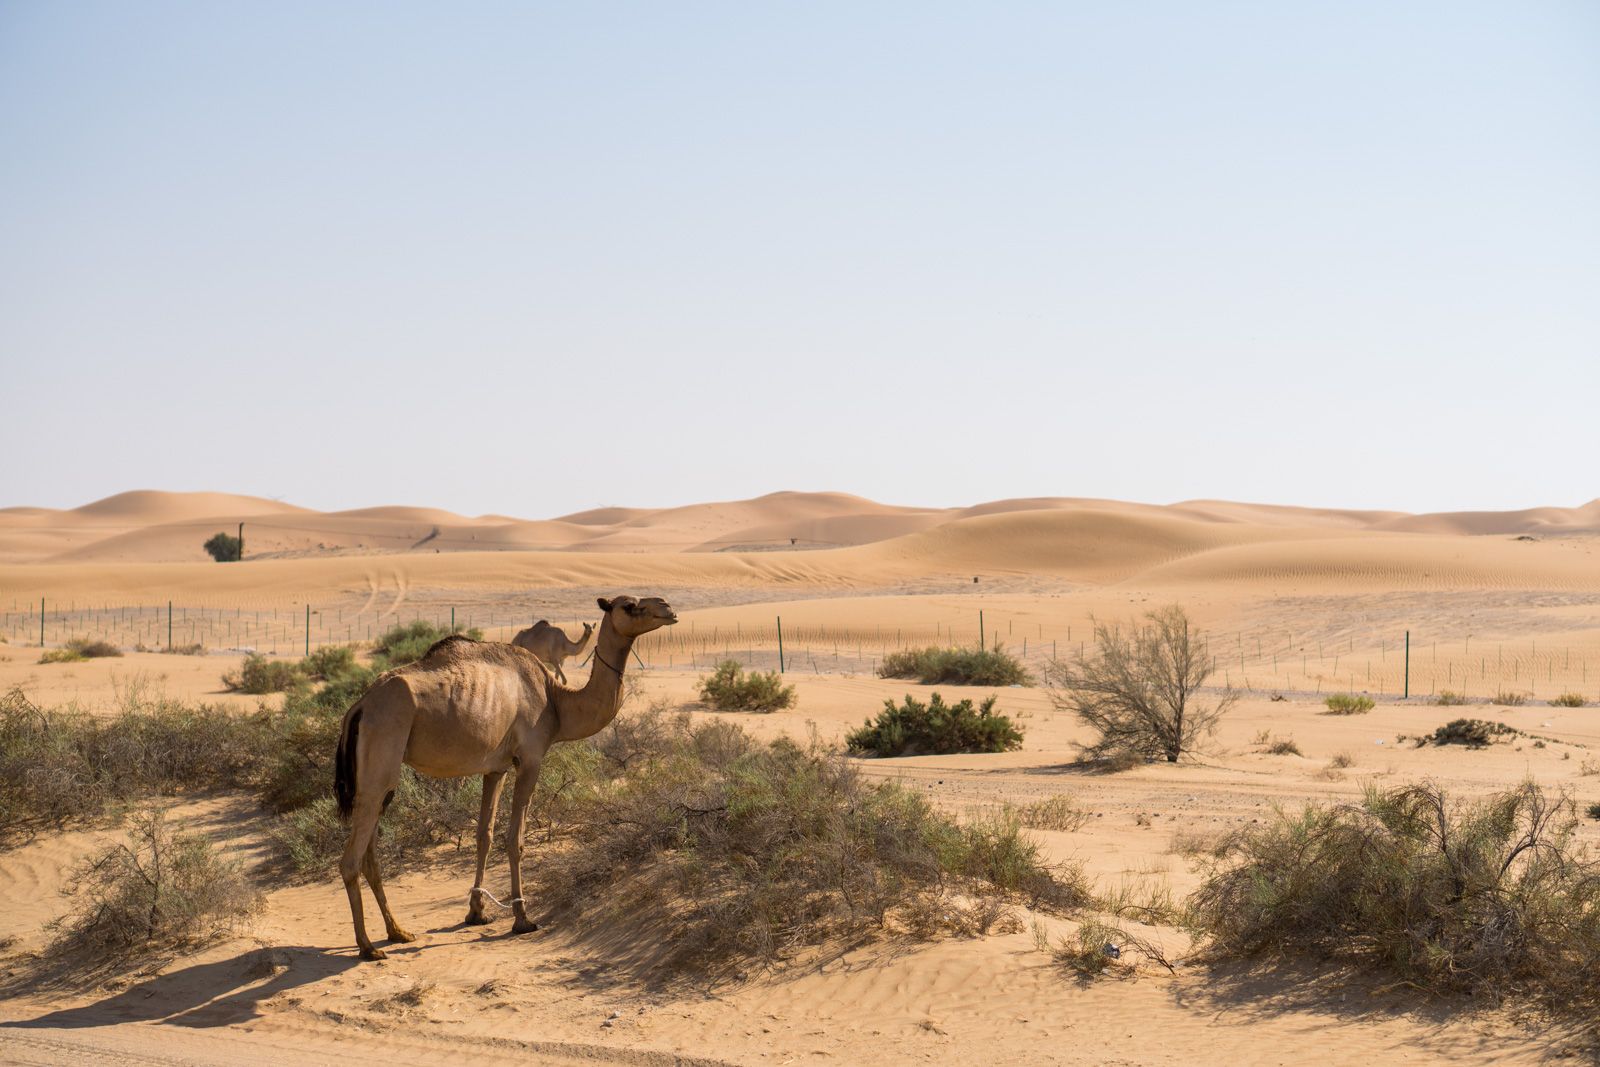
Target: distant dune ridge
x=788, y=538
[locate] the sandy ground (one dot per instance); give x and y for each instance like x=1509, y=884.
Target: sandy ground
x=1312, y=591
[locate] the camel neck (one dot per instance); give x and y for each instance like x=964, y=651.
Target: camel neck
x=585, y=712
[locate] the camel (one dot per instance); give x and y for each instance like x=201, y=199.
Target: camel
x=472, y=707
x=550, y=644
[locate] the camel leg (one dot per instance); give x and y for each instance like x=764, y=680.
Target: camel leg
x=378, y=761
x=527, y=778
x=369, y=867
x=490, y=804
x=561, y=674
x=363, y=825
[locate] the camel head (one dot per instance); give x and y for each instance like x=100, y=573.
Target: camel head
x=631, y=616
x=588, y=628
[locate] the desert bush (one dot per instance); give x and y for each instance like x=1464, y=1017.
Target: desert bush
x=260, y=675
x=81, y=648
x=224, y=547
x=62, y=655
x=1568, y=700
x=1349, y=704
x=330, y=662
x=1342, y=760
x=1448, y=698
x=1137, y=689
x=1474, y=733
x=406, y=643
x=61, y=764
x=955, y=666
x=1593, y=811
x=159, y=889
x=760, y=848
x=1509, y=699
x=935, y=728
x=729, y=688
x=1488, y=897
x=1284, y=746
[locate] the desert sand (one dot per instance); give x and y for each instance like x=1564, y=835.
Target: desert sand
x=1299, y=602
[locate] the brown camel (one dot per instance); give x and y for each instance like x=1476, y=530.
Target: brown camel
x=551, y=645
x=471, y=707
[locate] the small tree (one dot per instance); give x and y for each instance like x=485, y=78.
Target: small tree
x=224, y=547
x=1137, y=689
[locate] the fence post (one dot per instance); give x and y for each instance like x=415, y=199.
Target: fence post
x=981, y=645
x=308, y=627
x=41, y=622
x=1408, y=666
x=780, y=644
x=169, y=626
x=452, y=618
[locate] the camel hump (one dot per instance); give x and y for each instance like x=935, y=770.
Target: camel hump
x=447, y=643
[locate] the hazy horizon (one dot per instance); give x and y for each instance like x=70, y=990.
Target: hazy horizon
x=533, y=259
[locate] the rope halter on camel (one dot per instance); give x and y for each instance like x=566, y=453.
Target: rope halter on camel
x=498, y=903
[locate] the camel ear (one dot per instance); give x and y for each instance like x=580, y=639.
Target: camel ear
x=605, y=605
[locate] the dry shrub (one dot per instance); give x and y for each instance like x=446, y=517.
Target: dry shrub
x=1489, y=897
x=935, y=728
x=1341, y=760
x=955, y=666
x=729, y=688
x=756, y=849
x=60, y=764
x=1102, y=948
x=1283, y=746
x=157, y=890
x=1137, y=689
x=1509, y=699
x=1568, y=700
x=1349, y=704
x=1448, y=698
x=62, y=655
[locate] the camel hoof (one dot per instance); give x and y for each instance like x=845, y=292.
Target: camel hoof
x=524, y=926
x=399, y=935
x=476, y=920
x=370, y=953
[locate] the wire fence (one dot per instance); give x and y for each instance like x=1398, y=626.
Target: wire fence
x=1269, y=659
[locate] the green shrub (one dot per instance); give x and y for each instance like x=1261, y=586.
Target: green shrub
x=1474, y=733
x=1349, y=704
x=1568, y=700
x=729, y=688
x=159, y=890
x=955, y=666
x=1449, y=699
x=1593, y=811
x=935, y=728
x=224, y=548
x=406, y=644
x=1490, y=897
x=330, y=662
x=260, y=675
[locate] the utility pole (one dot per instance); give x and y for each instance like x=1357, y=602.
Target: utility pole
x=241, y=542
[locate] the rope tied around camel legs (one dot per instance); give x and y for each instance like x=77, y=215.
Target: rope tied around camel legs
x=477, y=889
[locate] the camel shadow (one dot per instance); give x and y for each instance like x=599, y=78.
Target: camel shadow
x=219, y=993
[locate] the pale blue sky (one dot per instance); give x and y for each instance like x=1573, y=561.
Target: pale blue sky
x=531, y=258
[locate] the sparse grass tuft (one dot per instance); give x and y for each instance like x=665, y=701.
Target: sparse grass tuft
x=1508, y=699
x=1342, y=760
x=729, y=688
x=1569, y=700
x=935, y=728
x=955, y=666
x=1059, y=813
x=1448, y=698
x=1349, y=704
x=1284, y=746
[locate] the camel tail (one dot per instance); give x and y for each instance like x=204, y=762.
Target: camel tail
x=344, y=764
